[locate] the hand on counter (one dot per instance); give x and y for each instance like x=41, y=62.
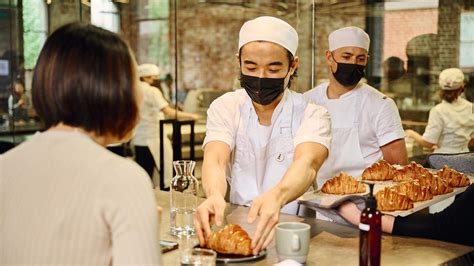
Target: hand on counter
x=267, y=207
x=210, y=211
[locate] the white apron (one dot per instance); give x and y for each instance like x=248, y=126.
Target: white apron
x=255, y=170
x=345, y=154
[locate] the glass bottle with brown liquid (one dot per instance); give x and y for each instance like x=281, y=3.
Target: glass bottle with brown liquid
x=370, y=232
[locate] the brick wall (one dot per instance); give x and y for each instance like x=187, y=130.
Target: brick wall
x=208, y=39
x=400, y=26
x=208, y=42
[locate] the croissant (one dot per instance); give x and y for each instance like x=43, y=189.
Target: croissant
x=379, y=171
x=453, y=177
x=231, y=239
x=437, y=185
x=411, y=171
x=414, y=190
x=343, y=184
x=389, y=200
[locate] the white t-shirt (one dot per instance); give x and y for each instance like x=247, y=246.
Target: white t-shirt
x=379, y=119
x=223, y=118
x=65, y=200
x=150, y=114
x=451, y=126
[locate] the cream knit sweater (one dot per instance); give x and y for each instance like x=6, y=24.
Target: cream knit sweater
x=65, y=200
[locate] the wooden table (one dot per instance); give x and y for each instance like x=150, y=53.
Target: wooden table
x=331, y=244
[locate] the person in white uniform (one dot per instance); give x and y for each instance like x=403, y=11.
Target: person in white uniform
x=153, y=109
x=268, y=141
x=451, y=123
x=366, y=125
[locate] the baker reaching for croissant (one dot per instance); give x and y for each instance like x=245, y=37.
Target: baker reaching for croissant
x=272, y=138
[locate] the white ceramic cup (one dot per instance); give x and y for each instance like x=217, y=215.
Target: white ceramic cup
x=292, y=241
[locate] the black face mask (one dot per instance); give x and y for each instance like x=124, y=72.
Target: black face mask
x=348, y=74
x=262, y=90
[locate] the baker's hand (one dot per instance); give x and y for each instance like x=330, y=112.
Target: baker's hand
x=211, y=210
x=267, y=207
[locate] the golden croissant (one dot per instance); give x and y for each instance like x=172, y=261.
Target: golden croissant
x=437, y=185
x=411, y=171
x=414, y=190
x=379, y=171
x=453, y=177
x=343, y=184
x=231, y=239
x=389, y=200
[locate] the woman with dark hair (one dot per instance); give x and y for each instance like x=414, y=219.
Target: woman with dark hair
x=451, y=123
x=70, y=201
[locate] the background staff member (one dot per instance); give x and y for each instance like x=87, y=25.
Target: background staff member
x=273, y=139
x=450, y=123
x=153, y=109
x=365, y=123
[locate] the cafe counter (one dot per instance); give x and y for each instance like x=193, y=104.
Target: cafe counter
x=330, y=244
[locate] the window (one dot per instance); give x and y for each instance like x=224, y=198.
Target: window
x=105, y=14
x=466, y=49
x=35, y=30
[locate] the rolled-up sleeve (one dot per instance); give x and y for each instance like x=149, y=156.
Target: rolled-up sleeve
x=315, y=126
x=388, y=123
x=220, y=122
x=434, y=127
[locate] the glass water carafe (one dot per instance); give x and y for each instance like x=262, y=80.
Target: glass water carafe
x=183, y=199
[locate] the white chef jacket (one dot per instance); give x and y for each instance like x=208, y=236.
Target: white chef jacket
x=451, y=126
x=150, y=114
x=257, y=164
x=375, y=118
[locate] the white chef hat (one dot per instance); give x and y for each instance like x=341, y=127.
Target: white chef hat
x=451, y=79
x=269, y=29
x=147, y=70
x=348, y=37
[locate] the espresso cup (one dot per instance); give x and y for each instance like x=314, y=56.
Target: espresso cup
x=292, y=241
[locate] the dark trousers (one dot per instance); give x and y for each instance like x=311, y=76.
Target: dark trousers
x=145, y=159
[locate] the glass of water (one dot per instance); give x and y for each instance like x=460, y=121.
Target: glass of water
x=198, y=256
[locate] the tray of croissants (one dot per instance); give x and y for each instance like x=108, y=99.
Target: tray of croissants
x=399, y=190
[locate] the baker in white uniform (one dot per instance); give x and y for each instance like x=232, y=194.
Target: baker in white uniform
x=366, y=125
x=450, y=123
x=268, y=141
x=153, y=108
